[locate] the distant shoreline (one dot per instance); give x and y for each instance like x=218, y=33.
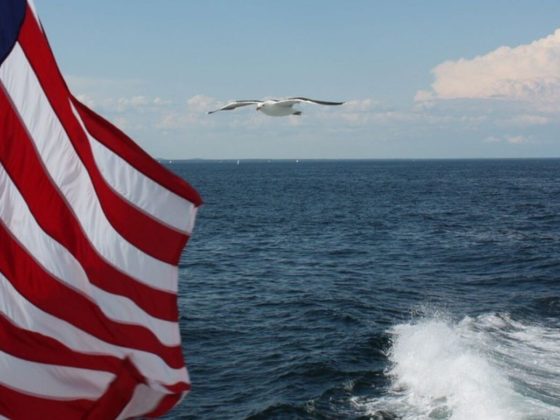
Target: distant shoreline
x=302, y=160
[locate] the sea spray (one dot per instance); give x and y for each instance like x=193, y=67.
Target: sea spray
x=529, y=353
x=489, y=367
x=443, y=375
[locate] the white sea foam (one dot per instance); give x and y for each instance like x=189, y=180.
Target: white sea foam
x=485, y=368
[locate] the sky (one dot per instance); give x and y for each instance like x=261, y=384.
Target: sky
x=420, y=79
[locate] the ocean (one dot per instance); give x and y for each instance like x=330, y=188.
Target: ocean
x=380, y=289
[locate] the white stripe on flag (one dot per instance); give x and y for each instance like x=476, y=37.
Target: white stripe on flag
x=144, y=400
x=15, y=215
x=140, y=190
x=72, y=179
x=52, y=381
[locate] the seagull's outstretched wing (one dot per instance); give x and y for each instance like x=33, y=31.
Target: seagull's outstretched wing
x=300, y=99
x=236, y=104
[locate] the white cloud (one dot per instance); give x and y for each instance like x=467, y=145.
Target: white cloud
x=526, y=120
x=157, y=101
x=201, y=103
x=364, y=112
x=424, y=96
x=194, y=113
x=115, y=96
x=360, y=105
x=358, y=112
x=492, y=139
x=87, y=100
x=511, y=139
x=516, y=139
x=528, y=72
x=134, y=102
x=138, y=103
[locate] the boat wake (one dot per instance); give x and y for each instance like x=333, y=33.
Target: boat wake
x=488, y=367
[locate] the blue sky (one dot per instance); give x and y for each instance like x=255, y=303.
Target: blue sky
x=437, y=79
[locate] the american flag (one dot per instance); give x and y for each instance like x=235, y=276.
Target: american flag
x=91, y=231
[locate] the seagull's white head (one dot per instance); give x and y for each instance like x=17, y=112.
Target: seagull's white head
x=259, y=106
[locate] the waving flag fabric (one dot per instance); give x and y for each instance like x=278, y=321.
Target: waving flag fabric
x=91, y=230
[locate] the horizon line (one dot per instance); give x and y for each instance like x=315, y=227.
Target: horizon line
x=160, y=159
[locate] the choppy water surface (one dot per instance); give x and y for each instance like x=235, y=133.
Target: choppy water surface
x=373, y=289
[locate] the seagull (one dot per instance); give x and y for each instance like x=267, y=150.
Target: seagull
x=275, y=107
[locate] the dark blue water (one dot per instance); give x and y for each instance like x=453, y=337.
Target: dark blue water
x=373, y=289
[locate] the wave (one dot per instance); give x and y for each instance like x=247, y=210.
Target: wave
x=488, y=367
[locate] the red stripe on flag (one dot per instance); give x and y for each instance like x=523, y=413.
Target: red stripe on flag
x=48, y=294
x=30, y=345
x=117, y=396
x=49, y=208
x=178, y=387
x=137, y=227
